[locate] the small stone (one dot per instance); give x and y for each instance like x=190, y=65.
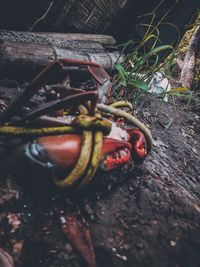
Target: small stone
x=131, y=189
x=172, y=243
x=62, y=219
x=122, y=257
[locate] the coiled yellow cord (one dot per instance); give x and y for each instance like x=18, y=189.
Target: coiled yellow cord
x=93, y=128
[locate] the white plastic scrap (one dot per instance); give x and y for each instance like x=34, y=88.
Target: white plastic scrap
x=118, y=133
x=159, y=84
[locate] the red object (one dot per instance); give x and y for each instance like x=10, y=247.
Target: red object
x=79, y=237
x=62, y=151
x=138, y=141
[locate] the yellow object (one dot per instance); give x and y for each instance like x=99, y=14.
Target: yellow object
x=121, y=104
x=81, y=164
x=95, y=159
x=92, y=128
x=15, y=131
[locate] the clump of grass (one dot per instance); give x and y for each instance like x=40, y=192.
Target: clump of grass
x=131, y=80
x=133, y=75
x=139, y=66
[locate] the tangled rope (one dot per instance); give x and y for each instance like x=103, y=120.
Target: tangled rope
x=93, y=128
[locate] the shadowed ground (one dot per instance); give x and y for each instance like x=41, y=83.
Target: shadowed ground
x=147, y=216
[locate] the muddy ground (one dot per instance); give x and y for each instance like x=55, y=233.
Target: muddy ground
x=146, y=216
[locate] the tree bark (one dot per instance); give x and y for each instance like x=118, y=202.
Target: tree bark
x=62, y=40
x=188, y=68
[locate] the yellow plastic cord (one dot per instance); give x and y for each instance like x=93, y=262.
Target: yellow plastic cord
x=81, y=123
x=92, y=128
x=81, y=164
x=122, y=104
x=95, y=160
x=15, y=131
x=92, y=123
x=130, y=119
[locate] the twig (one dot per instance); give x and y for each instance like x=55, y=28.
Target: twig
x=43, y=17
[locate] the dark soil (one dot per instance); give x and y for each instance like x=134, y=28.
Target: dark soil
x=148, y=216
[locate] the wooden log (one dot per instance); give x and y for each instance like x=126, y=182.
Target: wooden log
x=24, y=60
x=62, y=40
